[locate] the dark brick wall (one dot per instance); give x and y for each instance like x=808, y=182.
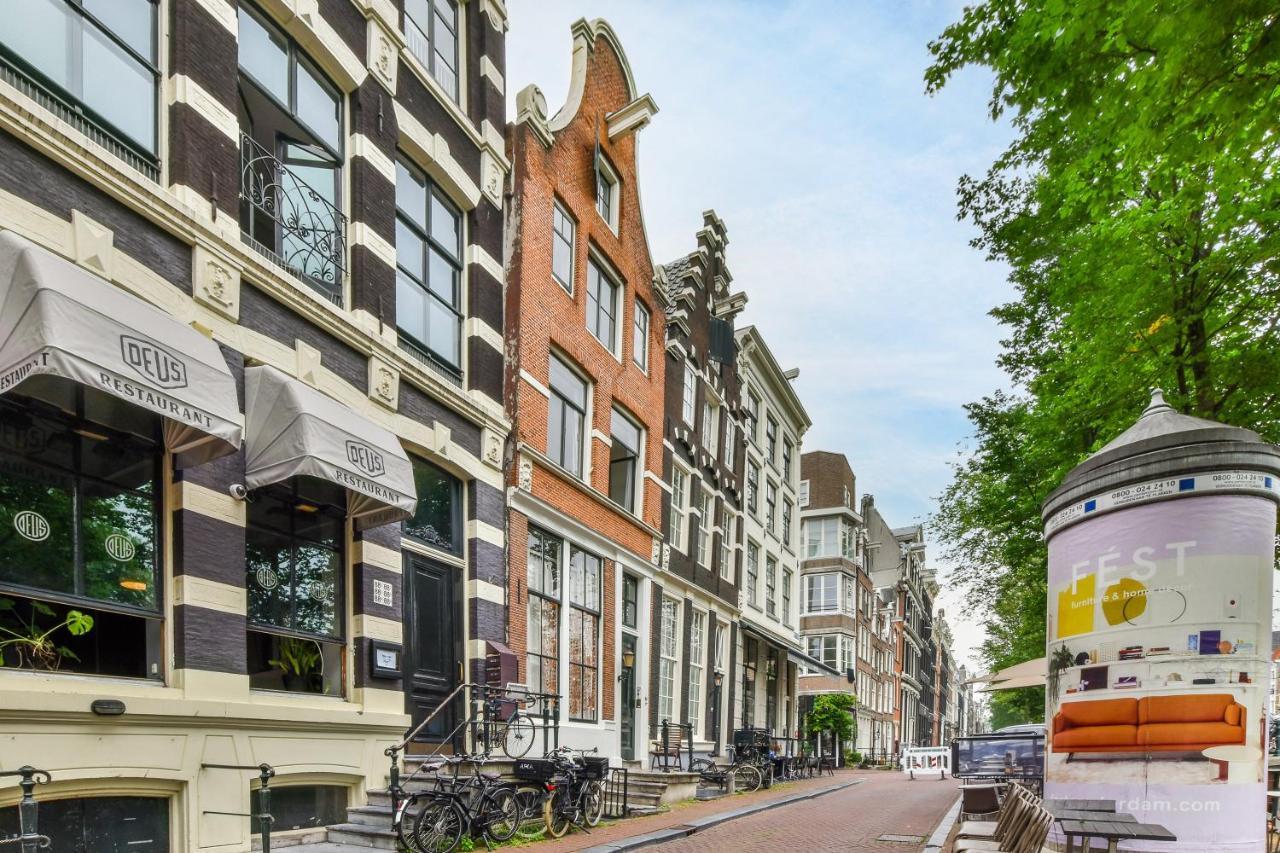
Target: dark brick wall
x=260, y=313
x=209, y=639
x=208, y=548
x=655, y=650
x=828, y=475
x=416, y=404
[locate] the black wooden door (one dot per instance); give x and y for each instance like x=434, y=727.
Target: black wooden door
x=433, y=644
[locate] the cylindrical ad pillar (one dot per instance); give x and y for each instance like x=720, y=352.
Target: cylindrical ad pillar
x=1161, y=555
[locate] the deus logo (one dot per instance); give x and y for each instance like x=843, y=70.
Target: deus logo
x=366, y=459
x=31, y=525
x=153, y=362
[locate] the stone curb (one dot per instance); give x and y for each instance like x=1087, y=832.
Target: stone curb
x=938, y=840
x=673, y=833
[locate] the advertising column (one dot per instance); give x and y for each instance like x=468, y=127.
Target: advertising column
x=1161, y=555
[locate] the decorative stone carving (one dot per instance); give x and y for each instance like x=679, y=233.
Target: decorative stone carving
x=216, y=282
x=656, y=555
x=666, y=558
x=383, y=56
x=492, y=177
x=94, y=244
x=442, y=435
x=496, y=11
x=526, y=474
x=491, y=442
x=384, y=383
x=308, y=363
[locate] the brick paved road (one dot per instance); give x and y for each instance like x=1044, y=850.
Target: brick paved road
x=851, y=819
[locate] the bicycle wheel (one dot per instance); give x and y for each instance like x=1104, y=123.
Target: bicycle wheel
x=747, y=778
x=438, y=828
x=593, y=803
x=405, y=820
x=701, y=765
x=502, y=813
x=517, y=738
x=555, y=812
x=533, y=825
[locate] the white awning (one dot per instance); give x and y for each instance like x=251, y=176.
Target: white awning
x=58, y=319
x=291, y=430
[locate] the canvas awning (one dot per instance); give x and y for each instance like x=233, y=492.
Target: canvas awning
x=1033, y=672
x=59, y=319
x=291, y=429
x=1014, y=683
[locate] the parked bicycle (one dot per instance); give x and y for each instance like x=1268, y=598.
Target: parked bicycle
x=746, y=775
x=576, y=792
x=480, y=805
x=515, y=734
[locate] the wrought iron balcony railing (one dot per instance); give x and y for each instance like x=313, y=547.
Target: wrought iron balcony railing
x=290, y=220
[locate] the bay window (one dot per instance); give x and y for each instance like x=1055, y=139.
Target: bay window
x=428, y=270
x=566, y=417
x=294, y=538
x=79, y=497
x=822, y=593
x=825, y=648
x=829, y=537
x=584, y=634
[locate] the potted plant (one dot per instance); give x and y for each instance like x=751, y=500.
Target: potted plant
x=300, y=665
x=25, y=643
x=1060, y=660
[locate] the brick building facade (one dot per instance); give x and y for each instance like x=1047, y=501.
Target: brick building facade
x=304, y=200
x=584, y=389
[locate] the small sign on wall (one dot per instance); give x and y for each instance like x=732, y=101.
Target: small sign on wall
x=384, y=594
x=384, y=660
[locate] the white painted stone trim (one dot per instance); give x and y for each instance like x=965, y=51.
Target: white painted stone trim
x=205, y=501
x=363, y=146
x=212, y=595
x=537, y=386
x=363, y=235
x=477, y=328
x=599, y=436
x=373, y=554
x=661, y=483
x=478, y=256
x=183, y=90
x=377, y=628
x=486, y=591
x=431, y=151
x=224, y=13
x=489, y=70
x=485, y=532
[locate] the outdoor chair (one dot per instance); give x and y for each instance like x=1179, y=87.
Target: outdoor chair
x=981, y=798
x=995, y=828
x=1027, y=833
x=666, y=754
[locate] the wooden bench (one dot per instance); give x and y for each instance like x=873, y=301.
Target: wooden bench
x=666, y=752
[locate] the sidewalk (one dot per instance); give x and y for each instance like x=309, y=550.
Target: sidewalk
x=683, y=813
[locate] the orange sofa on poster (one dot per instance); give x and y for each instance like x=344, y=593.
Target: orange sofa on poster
x=1180, y=723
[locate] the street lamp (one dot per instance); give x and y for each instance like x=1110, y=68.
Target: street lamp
x=717, y=679
x=629, y=658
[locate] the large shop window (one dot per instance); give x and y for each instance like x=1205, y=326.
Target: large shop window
x=584, y=634
x=566, y=417
x=543, y=665
x=428, y=269
x=79, y=532
x=99, y=824
x=293, y=570
x=437, y=520
x=624, y=461
x=290, y=156
x=431, y=29
x=96, y=59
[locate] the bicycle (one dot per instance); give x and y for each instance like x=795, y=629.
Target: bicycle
x=483, y=806
x=746, y=776
x=576, y=792
x=515, y=734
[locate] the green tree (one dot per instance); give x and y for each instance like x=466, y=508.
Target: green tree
x=1136, y=209
x=832, y=713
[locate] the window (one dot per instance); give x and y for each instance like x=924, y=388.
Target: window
x=848, y=595
x=753, y=488
x=99, y=824
x=98, y=54
x=305, y=807
x=803, y=496
x=845, y=495
x=751, y=662
x=771, y=586
x=566, y=417
x=786, y=597
x=825, y=648
x=829, y=537
x=563, y=241
x=721, y=644
x=624, y=461
x=79, y=502
x=689, y=393
x=753, y=415
x=584, y=633
x=730, y=440
x=668, y=664
x=753, y=573
x=606, y=192
x=630, y=602
x=291, y=156
x=428, y=269
x=703, y=531
x=679, y=494
x=846, y=655
x=771, y=441
x=786, y=521
x=697, y=654
x=437, y=519
x=726, y=542
x=711, y=428
x=640, y=336
x=294, y=538
x=771, y=507
x=787, y=450
x=602, y=306
x=543, y=674
x=822, y=593
x=431, y=30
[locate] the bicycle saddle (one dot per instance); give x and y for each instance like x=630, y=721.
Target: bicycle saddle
x=491, y=776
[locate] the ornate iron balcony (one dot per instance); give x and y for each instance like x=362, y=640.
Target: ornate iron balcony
x=290, y=220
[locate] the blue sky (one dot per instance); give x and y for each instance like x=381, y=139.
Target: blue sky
x=806, y=127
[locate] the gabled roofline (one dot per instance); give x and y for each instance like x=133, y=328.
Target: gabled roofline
x=750, y=342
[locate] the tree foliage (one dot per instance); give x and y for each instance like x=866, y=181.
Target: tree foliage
x=833, y=713
x=1136, y=209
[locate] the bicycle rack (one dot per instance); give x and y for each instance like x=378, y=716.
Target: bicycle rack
x=263, y=815
x=28, y=820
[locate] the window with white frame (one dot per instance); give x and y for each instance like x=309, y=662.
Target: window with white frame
x=846, y=653
x=602, y=306
x=788, y=450
x=703, y=530
x=566, y=417
x=428, y=268
x=679, y=504
x=640, y=336
x=753, y=573
x=697, y=652
x=689, y=393
x=431, y=30
x=607, y=192
x=563, y=241
x=825, y=648
x=771, y=586
x=753, y=414
x=786, y=521
x=711, y=428
x=771, y=507
x=624, y=460
x=584, y=634
x=787, y=579
x=721, y=645
x=753, y=488
x=831, y=536
x=543, y=637
x=822, y=593
x=771, y=440
x=803, y=496
x=730, y=443
x=848, y=595
x=727, y=536
x=668, y=659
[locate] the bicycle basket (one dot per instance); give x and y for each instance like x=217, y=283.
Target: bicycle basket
x=534, y=769
x=596, y=768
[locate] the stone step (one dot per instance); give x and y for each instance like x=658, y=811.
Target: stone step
x=327, y=847
x=370, y=815
x=358, y=835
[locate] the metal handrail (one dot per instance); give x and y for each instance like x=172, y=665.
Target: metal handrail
x=391, y=750
x=263, y=814
x=28, y=822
